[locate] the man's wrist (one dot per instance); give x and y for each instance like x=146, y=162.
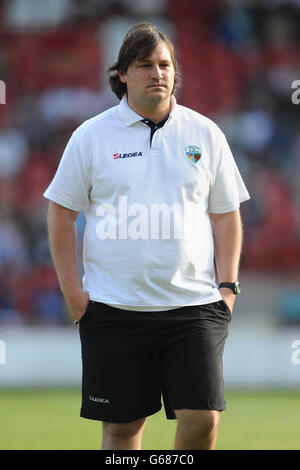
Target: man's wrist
x=226, y=290
x=71, y=292
x=233, y=286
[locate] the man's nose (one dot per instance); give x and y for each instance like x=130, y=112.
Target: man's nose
x=156, y=72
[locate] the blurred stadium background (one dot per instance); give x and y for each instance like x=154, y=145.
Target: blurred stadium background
x=239, y=60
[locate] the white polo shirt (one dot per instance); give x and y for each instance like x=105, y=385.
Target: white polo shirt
x=148, y=240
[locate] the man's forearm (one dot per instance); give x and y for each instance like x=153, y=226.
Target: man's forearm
x=63, y=246
x=227, y=233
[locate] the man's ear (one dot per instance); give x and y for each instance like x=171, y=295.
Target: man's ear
x=122, y=76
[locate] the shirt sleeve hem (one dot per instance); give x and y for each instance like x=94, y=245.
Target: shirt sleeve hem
x=59, y=200
x=228, y=208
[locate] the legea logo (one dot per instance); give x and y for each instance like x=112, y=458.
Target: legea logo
x=127, y=155
x=157, y=221
x=99, y=400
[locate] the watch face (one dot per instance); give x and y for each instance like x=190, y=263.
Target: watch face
x=237, y=288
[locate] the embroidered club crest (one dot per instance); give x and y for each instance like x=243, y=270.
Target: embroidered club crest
x=193, y=152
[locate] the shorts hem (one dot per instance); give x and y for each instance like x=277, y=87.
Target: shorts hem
x=170, y=412
x=128, y=419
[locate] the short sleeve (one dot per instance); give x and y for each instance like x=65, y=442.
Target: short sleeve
x=70, y=186
x=228, y=189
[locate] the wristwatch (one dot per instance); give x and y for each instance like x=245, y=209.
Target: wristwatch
x=234, y=286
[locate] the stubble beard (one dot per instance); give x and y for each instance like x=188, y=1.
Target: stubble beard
x=155, y=100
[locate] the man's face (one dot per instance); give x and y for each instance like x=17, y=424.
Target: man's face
x=151, y=80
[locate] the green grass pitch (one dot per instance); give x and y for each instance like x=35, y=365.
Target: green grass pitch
x=49, y=420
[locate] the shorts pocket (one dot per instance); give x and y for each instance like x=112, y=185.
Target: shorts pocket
x=225, y=307
x=85, y=312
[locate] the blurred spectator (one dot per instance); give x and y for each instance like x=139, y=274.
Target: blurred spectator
x=254, y=131
x=31, y=14
x=61, y=104
x=13, y=152
x=47, y=305
x=289, y=301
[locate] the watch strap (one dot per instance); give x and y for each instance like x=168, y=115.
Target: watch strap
x=234, y=286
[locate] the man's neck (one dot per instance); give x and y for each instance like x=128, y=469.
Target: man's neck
x=155, y=113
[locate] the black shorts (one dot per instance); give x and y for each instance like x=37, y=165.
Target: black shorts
x=131, y=359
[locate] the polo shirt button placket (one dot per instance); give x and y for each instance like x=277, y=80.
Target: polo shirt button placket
x=154, y=127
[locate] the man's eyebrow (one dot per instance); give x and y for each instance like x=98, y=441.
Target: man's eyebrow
x=149, y=60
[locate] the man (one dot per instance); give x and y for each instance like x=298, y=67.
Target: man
x=161, y=194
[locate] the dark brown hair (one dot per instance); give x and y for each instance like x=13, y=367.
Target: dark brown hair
x=139, y=43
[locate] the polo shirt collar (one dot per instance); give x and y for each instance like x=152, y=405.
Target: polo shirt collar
x=131, y=117
x=173, y=106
